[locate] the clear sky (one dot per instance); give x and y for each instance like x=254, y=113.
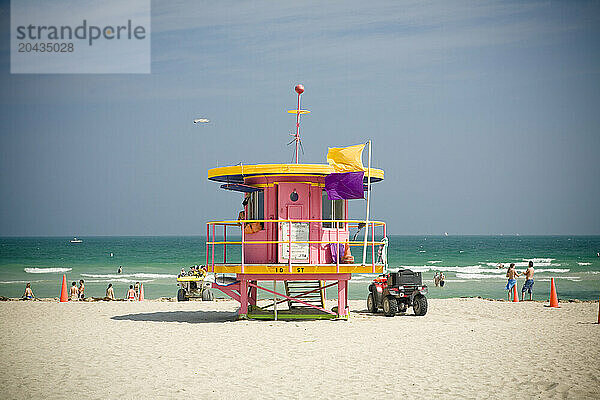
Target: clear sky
x=485, y=116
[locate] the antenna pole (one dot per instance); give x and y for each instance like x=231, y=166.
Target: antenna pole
x=298, y=123
x=299, y=89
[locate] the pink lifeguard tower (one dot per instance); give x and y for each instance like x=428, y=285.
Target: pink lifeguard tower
x=290, y=232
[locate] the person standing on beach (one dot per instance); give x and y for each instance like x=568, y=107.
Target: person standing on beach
x=74, y=291
x=28, y=294
x=110, y=293
x=81, y=290
x=137, y=290
x=442, y=279
x=436, y=279
x=511, y=274
x=130, y=294
x=528, y=285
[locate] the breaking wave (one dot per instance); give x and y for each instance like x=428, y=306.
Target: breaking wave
x=46, y=270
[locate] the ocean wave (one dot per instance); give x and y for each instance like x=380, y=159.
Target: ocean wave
x=46, y=270
x=521, y=264
x=21, y=282
x=122, y=280
x=556, y=271
x=433, y=262
x=138, y=275
x=478, y=276
x=584, y=263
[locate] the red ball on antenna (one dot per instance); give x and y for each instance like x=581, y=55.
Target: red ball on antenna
x=299, y=89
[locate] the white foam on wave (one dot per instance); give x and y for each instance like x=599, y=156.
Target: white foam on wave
x=521, y=264
x=584, y=263
x=555, y=270
x=21, y=282
x=122, y=280
x=477, y=276
x=433, y=262
x=138, y=275
x=46, y=270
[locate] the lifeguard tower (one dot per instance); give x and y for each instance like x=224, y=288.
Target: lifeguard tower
x=290, y=232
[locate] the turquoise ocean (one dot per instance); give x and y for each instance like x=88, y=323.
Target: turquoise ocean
x=469, y=263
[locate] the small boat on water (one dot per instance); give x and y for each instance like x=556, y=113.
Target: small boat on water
x=75, y=240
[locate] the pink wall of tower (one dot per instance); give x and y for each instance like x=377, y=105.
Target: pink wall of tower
x=279, y=205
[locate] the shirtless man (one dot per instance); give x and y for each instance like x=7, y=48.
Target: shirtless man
x=511, y=274
x=528, y=285
x=81, y=290
x=74, y=291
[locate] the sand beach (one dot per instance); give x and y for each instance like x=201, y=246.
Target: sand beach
x=463, y=348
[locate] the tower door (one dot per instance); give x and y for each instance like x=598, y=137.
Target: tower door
x=293, y=203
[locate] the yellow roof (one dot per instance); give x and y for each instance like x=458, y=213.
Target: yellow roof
x=237, y=173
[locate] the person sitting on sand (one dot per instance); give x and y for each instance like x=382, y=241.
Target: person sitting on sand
x=130, y=294
x=528, y=285
x=442, y=279
x=511, y=274
x=28, y=294
x=74, y=291
x=81, y=290
x=110, y=293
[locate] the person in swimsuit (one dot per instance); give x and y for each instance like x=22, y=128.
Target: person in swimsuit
x=28, y=295
x=81, y=290
x=74, y=291
x=130, y=293
x=110, y=293
x=436, y=279
x=120, y=270
x=442, y=279
x=528, y=285
x=511, y=274
x=137, y=290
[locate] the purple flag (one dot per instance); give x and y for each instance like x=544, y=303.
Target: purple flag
x=346, y=185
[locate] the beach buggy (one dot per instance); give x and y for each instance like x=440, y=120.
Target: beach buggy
x=396, y=291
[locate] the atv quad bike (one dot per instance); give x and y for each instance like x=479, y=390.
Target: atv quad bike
x=396, y=291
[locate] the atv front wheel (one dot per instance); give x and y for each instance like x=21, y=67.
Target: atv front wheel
x=207, y=295
x=371, y=306
x=390, y=306
x=420, y=305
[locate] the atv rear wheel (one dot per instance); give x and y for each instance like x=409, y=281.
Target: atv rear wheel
x=390, y=306
x=420, y=305
x=181, y=295
x=371, y=305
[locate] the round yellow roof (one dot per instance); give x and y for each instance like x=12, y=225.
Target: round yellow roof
x=237, y=173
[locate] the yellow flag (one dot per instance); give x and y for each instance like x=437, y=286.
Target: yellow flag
x=346, y=159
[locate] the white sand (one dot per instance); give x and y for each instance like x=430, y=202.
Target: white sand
x=463, y=348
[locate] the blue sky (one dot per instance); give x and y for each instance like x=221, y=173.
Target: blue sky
x=484, y=116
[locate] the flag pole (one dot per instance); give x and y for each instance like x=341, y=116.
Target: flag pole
x=364, y=260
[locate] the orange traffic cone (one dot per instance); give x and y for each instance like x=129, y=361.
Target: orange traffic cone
x=142, y=292
x=63, y=291
x=553, y=295
x=515, y=294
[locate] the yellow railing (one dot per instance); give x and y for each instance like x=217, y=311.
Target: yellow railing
x=336, y=225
